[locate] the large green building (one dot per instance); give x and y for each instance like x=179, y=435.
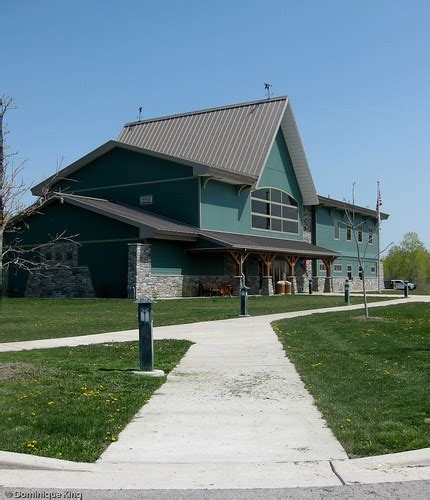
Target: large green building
x=192, y=204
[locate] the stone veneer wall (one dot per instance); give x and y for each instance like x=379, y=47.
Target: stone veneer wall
x=59, y=282
x=338, y=284
x=142, y=282
x=60, y=276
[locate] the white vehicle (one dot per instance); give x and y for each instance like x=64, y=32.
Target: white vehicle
x=400, y=284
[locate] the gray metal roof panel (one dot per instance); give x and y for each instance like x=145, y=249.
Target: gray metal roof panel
x=265, y=244
x=236, y=138
x=331, y=202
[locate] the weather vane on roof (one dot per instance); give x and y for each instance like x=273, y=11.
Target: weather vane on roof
x=267, y=90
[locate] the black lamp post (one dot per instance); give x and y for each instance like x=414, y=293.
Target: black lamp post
x=146, y=344
x=244, y=300
x=347, y=302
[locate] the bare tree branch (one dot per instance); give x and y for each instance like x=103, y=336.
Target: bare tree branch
x=14, y=212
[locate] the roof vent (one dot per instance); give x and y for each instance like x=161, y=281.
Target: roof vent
x=146, y=199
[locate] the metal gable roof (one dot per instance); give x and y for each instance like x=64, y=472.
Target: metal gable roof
x=235, y=139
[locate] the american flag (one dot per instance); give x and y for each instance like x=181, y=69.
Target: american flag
x=378, y=204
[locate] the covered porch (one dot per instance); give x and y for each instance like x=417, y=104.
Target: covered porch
x=260, y=262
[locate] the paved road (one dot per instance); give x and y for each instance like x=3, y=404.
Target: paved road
x=416, y=490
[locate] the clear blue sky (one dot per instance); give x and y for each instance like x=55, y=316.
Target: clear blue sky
x=357, y=73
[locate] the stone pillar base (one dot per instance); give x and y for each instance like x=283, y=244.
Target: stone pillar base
x=267, y=286
x=237, y=284
x=293, y=281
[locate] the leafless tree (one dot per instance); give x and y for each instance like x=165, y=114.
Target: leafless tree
x=356, y=226
x=13, y=212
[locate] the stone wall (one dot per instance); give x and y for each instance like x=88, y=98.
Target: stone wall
x=307, y=224
x=338, y=284
x=142, y=282
x=60, y=282
x=60, y=276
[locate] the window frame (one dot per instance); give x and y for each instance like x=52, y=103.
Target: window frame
x=264, y=195
x=336, y=228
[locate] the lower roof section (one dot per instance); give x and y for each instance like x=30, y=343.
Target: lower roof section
x=259, y=244
x=155, y=226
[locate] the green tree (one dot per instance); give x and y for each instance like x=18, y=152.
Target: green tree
x=409, y=260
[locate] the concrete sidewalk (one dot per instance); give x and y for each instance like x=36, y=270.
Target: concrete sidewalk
x=191, y=331
x=233, y=414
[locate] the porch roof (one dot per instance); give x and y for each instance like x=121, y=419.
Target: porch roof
x=260, y=244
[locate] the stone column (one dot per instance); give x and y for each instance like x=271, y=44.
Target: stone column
x=293, y=281
x=267, y=286
x=139, y=268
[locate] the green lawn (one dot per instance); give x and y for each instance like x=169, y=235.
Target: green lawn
x=30, y=319
x=72, y=403
x=370, y=379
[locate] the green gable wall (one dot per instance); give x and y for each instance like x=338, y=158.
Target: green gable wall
x=103, y=245
x=222, y=209
x=124, y=176
x=324, y=236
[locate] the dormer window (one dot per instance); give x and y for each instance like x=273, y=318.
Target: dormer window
x=274, y=210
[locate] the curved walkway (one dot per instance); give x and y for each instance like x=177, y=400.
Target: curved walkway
x=233, y=414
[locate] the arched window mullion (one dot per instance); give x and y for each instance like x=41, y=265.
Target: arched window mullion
x=275, y=210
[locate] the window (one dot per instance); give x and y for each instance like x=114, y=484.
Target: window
x=370, y=236
x=373, y=269
x=361, y=273
x=360, y=235
x=274, y=210
x=322, y=267
x=348, y=233
x=338, y=268
x=349, y=272
x=336, y=229
x=146, y=199
x=48, y=256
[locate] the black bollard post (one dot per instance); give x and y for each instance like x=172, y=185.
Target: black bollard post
x=244, y=301
x=146, y=344
x=347, y=302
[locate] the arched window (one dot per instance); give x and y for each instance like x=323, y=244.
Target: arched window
x=274, y=210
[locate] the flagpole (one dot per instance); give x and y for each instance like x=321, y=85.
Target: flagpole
x=378, y=202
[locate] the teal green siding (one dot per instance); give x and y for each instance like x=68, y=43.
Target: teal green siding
x=106, y=259
x=279, y=171
x=172, y=258
x=222, y=209
x=324, y=236
x=124, y=176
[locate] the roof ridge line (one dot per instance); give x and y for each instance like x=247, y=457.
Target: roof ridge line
x=206, y=110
